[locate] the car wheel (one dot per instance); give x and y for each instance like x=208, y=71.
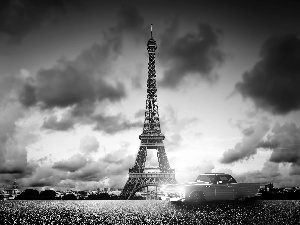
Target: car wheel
x=197, y=196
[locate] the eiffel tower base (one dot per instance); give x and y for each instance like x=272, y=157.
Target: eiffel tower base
x=137, y=181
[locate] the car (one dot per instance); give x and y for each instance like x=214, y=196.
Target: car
x=210, y=187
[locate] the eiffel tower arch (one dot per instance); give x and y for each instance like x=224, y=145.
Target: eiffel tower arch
x=151, y=138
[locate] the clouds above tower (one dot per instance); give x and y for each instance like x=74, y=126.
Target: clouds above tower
x=273, y=83
x=81, y=84
x=74, y=82
x=194, y=54
x=129, y=22
x=87, y=78
x=18, y=18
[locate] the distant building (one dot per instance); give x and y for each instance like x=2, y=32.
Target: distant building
x=269, y=187
x=12, y=192
x=288, y=190
x=116, y=193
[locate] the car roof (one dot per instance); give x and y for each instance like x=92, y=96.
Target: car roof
x=213, y=174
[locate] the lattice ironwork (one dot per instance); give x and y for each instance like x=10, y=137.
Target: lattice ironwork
x=151, y=138
x=151, y=123
x=140, y=160
x=135, y=184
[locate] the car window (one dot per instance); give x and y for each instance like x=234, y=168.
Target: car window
x=213, y=179
x=226, y=179
x=223, y=178
x=203, y=178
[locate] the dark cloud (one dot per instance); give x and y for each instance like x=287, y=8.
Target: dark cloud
x=22, y=169
x=97, y=170
x=284, y=143
x=109, y=124
x=7, y=84
x=74, y=82
x=83, y=82
x=43, y=176
x=114, y=124
x=109, y=167
x=295, y=169
x=129, y=22
x=248, y=147
x=273, y=83
x=268, y=174
x=42, y=183
x=195, y=54
x=14, y=137
x=64, y=124
x=130, y=19
x=13, y=142
x=72, y=164
x=27, y=93
x=82, y=171
x=18, y=18
x=248, y=131
x=93, y=171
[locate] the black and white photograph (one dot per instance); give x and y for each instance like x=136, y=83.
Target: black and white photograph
x=149, y=112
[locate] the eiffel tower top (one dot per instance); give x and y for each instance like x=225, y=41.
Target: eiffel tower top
x=151, y=45
x=151, y=124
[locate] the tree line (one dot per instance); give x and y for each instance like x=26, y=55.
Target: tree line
x=32, y=194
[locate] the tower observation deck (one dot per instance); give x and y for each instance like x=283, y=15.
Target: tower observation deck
x=151, y=138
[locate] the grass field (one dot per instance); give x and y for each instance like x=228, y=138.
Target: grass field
x=149, y=212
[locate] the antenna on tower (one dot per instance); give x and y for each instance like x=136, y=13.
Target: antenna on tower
x=151, y=30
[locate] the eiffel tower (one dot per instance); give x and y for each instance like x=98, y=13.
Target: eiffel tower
x=151, y=138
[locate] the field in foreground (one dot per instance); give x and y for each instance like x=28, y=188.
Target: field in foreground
x=149, y=212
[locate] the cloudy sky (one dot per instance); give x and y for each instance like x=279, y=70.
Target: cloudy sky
x=73, y=90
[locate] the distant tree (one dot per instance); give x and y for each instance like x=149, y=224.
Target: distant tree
x=47, y=195
x=104, y=196
x=82, y=195
x=114, y=197
x=136, y=197
x=69, y=197
x=28, y=194
x=291, y=195
x=100, y=196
